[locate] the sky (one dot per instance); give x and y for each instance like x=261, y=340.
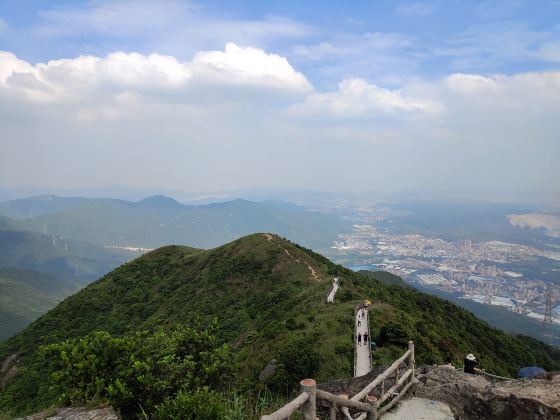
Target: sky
x=224, y=95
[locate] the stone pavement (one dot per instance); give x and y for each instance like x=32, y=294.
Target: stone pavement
x=363, y=363
x=420, y=409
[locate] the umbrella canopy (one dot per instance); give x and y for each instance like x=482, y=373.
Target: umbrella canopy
x=529, y=372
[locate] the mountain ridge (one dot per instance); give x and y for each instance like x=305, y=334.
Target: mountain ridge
x=158, y=220
x=269, y=296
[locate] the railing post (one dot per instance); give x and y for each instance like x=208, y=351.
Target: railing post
x=411, y=360
x=372, y=401
x=310, y=407
x=334, y=409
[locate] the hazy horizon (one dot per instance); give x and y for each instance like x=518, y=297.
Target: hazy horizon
x=213, y=96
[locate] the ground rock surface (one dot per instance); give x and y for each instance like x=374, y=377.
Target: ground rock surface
x=475, y=397
x=75, y=413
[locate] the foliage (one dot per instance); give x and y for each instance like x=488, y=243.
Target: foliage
x=199, y=405
x=268, y=307
x=396, y=331
x=136, y=372
x=297, y=360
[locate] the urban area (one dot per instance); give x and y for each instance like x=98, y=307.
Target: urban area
x=490, y=272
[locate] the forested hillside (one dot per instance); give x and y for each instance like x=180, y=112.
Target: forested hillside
x=269, y=298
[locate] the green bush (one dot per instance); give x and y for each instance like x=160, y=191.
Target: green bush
x=137, y=372
x=298, y=359
x=203, y=404
x=397, y=331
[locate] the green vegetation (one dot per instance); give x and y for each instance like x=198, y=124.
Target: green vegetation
x=385, y=278
x=38, y=271
x=269, y=305
x=138, y=372
x=22, y=301
x=157, y=221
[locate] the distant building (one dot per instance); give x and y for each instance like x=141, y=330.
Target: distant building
x=464, y=244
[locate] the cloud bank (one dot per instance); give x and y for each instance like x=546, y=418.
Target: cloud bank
x=241, y=116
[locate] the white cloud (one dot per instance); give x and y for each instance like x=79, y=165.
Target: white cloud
x=220, y=119
x=89, y=78
x=112, y=18
x=357, y=98
x=250, y=66
x=499, y=44
x=345, y=44
x=467, y=83
x=173, y=27
x=548, y=51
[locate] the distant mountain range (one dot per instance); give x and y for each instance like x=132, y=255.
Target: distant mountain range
x=159, y=220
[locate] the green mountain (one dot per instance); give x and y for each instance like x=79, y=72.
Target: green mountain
x=37, y=271
x=25, y=295
x=385, y=277
x=70, y=259
x=159, y=220
x=269, y=296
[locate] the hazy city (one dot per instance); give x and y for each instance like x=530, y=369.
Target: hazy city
x=490, y=272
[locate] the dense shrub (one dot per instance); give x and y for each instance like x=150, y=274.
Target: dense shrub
x=298, y=359
x=137, y=372
x=202, y=404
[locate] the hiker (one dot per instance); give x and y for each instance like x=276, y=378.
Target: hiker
x=470, y=363
x=365, y=338
x=359, y=339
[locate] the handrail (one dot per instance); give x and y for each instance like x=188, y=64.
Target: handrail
x=307, y=400
x=397, y=385
x=482, y=372
x=324, y=395
x=382, y=377
x=288, y=409
x=396, y=399
x=491, y=375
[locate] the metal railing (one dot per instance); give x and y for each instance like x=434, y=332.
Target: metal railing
x=370, y=406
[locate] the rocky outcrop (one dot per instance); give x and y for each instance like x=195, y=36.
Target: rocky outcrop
x=474, y=397
x=75, y=413
x=268, y=371
x=8, y=370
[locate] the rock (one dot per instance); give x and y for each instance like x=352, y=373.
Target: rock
x=75, y=413
x=268, y=371
x=8, y=370
x=474, y=397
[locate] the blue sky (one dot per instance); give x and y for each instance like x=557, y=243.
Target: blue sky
x=377, y=40
x=427, y=85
